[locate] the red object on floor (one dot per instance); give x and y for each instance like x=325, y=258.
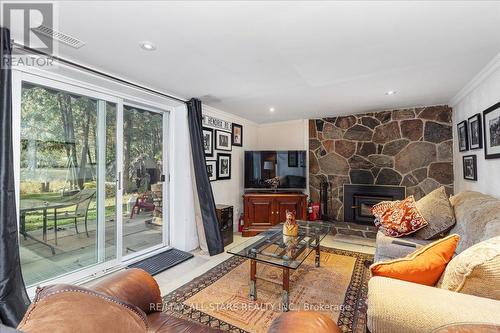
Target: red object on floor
x=314, y=211
x=141, y=203
x=241, y=222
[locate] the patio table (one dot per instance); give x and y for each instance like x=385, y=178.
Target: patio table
x=31, y=205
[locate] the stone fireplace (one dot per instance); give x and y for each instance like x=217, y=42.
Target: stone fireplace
x=409, y=148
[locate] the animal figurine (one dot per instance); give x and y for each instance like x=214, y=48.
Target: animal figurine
x=290, y=227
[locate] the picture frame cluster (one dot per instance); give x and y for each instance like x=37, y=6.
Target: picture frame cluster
x=218, y=144
x=476, y=134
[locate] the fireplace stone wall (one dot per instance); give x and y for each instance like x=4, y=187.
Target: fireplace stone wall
x=408, y=147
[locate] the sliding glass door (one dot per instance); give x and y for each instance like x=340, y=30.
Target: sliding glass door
x=62, y=181
x=90, y=179
x=143, y=180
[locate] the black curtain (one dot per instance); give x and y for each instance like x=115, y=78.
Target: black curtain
x=206, y=197
x=13, y=298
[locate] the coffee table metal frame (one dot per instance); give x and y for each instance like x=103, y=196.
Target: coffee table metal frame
x=288, y=253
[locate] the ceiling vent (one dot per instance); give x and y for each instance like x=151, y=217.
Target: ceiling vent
x=59, y=36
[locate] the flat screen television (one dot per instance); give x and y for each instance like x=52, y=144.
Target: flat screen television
x=275, y=170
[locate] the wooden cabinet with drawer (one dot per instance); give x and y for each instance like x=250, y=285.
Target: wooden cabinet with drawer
x=263, y=210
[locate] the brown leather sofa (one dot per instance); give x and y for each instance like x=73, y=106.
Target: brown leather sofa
x=127, y=301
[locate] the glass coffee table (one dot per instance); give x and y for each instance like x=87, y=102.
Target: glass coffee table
x=273, y=248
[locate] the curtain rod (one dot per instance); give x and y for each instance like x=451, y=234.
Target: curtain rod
x=95, y=71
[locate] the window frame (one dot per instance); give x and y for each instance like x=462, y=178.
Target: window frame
x=66, y=83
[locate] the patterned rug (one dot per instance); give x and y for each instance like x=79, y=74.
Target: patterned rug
x=219, y=298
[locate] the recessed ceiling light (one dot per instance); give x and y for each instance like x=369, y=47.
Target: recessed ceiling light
x=390, y=92
x=271, y=109
x=148, y=46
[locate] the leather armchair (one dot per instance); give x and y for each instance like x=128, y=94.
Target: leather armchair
x=126, y=301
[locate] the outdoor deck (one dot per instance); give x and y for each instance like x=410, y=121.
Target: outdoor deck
x=75, y=251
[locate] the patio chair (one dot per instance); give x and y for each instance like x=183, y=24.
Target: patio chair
x=81, y=210
x=143, y=202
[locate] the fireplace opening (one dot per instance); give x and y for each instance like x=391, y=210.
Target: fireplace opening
x=359, y=199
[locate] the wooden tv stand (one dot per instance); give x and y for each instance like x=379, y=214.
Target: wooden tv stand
x=264, y=210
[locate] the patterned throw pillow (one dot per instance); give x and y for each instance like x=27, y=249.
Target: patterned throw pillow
x=380, y=208
x=401, y=219
x=475, y=271
x=436, y=208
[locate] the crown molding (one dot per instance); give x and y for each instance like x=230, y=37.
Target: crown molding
x=284, y=122
x=226, y=115
x=491, y=67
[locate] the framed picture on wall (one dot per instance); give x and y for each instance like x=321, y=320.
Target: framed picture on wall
x=475, y=132
x=237, y=135
x=463, y=140
x=491, y=121
x=212, y=170
x=223, y=140
x=470, y=167
x=223, y=166
x=208, y=141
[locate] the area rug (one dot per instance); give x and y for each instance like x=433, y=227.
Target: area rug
x=219, y=298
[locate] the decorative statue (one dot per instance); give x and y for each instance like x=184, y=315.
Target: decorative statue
x=290, y=228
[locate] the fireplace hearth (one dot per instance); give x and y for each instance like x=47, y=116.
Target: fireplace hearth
x=359, y=199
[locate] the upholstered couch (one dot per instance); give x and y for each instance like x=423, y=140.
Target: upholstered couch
x=396, y=306
x=127, y=301
x=399, y=306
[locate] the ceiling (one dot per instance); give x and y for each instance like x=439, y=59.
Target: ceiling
x=305, y=59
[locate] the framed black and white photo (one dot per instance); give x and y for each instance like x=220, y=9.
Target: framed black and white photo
x=208, y=141
x=223, y=140
x=475, y=132
x=491, y=128
x=212, y=169
x=470, y=167
x=237, y=135
x=463, y=140
x=293, y=159
x=223, y=166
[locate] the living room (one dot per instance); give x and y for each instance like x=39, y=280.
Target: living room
x=250, y=166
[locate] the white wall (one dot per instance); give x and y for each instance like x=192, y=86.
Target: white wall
x=230, y=191
x=482, y=92
x=285, y=135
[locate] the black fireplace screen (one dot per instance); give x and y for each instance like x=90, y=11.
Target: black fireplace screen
x=359, y=199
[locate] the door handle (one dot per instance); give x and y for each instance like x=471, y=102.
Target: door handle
x=119, y=180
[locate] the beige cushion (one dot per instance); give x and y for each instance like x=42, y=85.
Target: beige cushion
x=438, y=212
x=475, y=271
x=392, y=248
x=396, y=306
x=478, y=218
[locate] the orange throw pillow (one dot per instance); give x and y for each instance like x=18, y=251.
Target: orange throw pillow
x=424, y=266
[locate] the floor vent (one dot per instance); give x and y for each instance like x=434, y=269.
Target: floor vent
x=163, y=261
x=59, y=36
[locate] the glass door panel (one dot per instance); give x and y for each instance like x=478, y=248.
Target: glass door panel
x=143, y=182
x=110, y=193
x=60, y=159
